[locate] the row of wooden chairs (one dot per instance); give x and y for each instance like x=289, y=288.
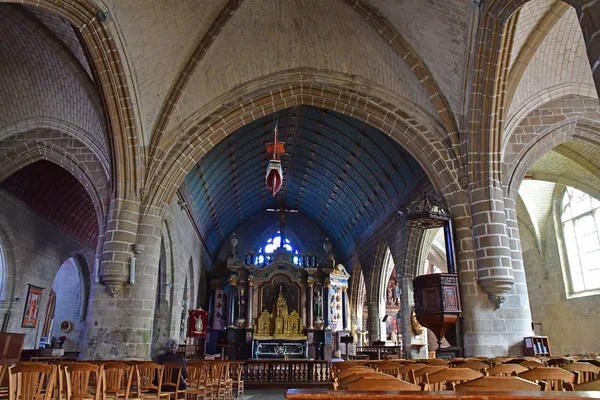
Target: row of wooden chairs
x=119, y=380
x=441, y=377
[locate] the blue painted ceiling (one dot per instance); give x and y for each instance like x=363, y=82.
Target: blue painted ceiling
x=342, y=173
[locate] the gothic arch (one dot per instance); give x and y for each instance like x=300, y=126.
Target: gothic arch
x=32, y=151
x=411, y=127
x=114, y=83
x=570, y=129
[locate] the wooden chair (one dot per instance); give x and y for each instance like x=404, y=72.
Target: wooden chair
x=532, y=364
x=506, y=370
x=475, y=366
x=343, y=380
x=31, y=381
x=171, y=380
x=81, y=380
x=552, y=379
x=418, y=376
x=497, y=384
x=197, y=376
x=587, y=372
x=390, y=368
x=591, y=386
x=406, y=373
x=117, y=379
x=448, y=378
x=3, y=381
x=149, y=378
x=557, y=361
x=379, y=383
x=236, y=370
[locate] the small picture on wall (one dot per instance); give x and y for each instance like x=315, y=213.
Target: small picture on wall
x=32, y=307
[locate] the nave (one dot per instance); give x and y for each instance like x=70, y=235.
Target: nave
x=279, y=185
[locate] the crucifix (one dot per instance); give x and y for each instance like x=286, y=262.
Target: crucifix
x=282, y=210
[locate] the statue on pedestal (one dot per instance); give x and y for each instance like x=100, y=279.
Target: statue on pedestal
x=318, y=310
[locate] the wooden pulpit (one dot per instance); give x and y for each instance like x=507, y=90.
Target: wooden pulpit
x=437, y=302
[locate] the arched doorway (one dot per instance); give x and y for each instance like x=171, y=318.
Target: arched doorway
x=65, y=309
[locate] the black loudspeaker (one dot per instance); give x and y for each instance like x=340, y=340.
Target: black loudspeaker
x=384, y=318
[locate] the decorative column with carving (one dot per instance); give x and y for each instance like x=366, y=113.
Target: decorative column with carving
x=327, y=303
x=346, y=305
x=310, y=304
x=249, y=304
x=232, y=290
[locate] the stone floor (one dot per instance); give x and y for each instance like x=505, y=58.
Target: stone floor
x=266, y=394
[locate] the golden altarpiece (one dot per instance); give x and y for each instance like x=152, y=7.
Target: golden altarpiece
x=280, y=324
x=279, y=309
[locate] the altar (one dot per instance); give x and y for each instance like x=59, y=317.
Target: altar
x=279, y=307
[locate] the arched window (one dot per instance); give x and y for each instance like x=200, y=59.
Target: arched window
x=580, y=217
x=273, y=244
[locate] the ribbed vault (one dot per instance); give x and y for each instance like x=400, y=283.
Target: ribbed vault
x=53, y=193
x=340, y=172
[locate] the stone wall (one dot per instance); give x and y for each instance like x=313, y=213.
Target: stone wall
x=570, y=324
x=36, y=249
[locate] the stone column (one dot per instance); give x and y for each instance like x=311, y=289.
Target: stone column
x=490, y=241
x=120, y=317
x=373, y=321
x=310, y=304
x=487, y=331
x=346, y=310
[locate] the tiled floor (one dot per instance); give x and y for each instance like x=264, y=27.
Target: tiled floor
x=264, y=394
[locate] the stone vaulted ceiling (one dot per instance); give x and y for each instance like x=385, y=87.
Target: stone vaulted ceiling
x=342, y=173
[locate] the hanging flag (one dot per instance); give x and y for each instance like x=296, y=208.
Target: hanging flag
x=274, y=176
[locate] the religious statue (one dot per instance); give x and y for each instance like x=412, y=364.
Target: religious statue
x=318, y=306
x=416, y=327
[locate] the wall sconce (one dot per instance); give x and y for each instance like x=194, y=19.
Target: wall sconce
x=132, y=270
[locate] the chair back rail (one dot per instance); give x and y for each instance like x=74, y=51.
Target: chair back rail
x=447, y=378
x=587, y=372
x=148, y=378
x=31, y=381
x=82, y=380
x=498, y=384
x=117, y=378
x=506, y=370
x=554, y=378
x=375, y=383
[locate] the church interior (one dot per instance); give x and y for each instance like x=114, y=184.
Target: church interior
x=301, y=193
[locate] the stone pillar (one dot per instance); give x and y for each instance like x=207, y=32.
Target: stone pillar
x=310, y=305
x=490, y=241
x=373, y=321
x=487, y=331
x=346, y=305
x=120, y=317
x=249, y=304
